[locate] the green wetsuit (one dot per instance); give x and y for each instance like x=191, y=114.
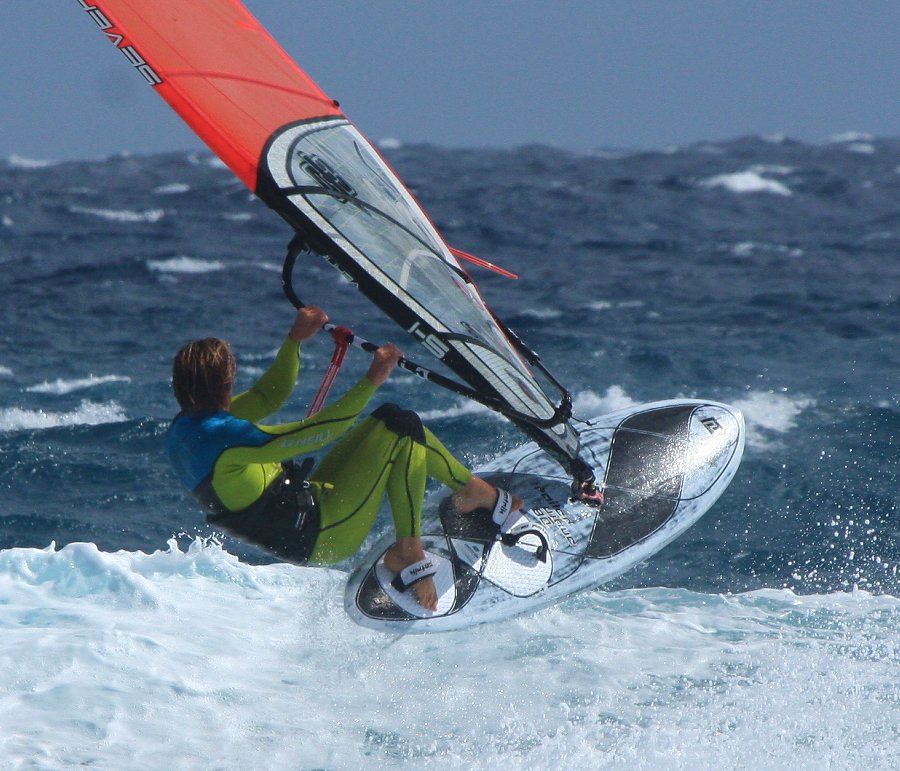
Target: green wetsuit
x=240, y=460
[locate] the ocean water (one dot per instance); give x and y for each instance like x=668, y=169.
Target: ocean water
x=760, y=272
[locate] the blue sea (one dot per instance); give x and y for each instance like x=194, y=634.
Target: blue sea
x=761, y=272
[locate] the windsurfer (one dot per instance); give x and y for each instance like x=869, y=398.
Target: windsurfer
x=243, y=474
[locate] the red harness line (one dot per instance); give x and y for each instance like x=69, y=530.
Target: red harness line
x=342, y=339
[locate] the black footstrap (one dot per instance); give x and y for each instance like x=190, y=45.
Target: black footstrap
x=512, y=539
x=413, y=573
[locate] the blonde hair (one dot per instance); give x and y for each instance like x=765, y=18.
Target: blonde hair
x=203, y=375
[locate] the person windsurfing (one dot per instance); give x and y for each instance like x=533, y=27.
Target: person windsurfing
x=244, y=475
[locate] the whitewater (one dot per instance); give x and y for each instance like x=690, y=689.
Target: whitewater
x=195, y=660
x=764, y=273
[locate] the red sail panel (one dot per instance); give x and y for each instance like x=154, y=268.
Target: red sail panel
x=220, y=70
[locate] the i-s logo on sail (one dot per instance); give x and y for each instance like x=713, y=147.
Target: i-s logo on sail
x=118, y=40
x=434, y=344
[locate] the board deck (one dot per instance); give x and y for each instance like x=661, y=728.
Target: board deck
x=663, y=465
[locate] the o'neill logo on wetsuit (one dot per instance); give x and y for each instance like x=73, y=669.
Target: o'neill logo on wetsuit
x=323, y=437
x=118, y=40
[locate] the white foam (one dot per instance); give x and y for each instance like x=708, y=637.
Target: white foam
x=175, y=188
x=185, y=265
x=120, y=215
x=589, y=404
x=5, y=372
x=767, y=413
x=390, y=143
x=269, y=267
x=238, y=217
x=226, y=665
x=28, y=164
x=60, y=386
x=248, y=370
x=743, y=182
x=462, y=407
x=772, y=168
x=7, y=221
x=862, y=148
x=542, y=314
x=88, y=414
x=606, y=305
x=212, y=161
x=749, y=248
x=852, y=136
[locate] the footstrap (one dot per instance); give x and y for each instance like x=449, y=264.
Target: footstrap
x=512, y=539
x=514, y=526
x=502, y=509
x=412, y=573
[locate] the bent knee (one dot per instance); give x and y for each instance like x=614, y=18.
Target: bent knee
x=401, y=422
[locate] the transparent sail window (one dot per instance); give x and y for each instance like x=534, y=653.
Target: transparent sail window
x=349, y=186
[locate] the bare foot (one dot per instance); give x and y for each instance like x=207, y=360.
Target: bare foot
x=478, y=494
x=405, y=552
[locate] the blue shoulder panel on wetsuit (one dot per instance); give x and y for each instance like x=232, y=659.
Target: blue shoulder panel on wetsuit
x=195, y=441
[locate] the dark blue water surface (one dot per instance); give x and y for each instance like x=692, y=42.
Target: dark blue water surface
x=760, y=273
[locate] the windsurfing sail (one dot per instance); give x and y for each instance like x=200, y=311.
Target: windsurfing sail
x=222, y=72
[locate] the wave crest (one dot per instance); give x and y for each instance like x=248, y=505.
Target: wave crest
x=87, y=414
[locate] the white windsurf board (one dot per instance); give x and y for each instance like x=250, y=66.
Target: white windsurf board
x=662, y=466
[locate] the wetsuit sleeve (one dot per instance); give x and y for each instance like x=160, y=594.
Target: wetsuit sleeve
x=304, y=436
x=271, y=391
